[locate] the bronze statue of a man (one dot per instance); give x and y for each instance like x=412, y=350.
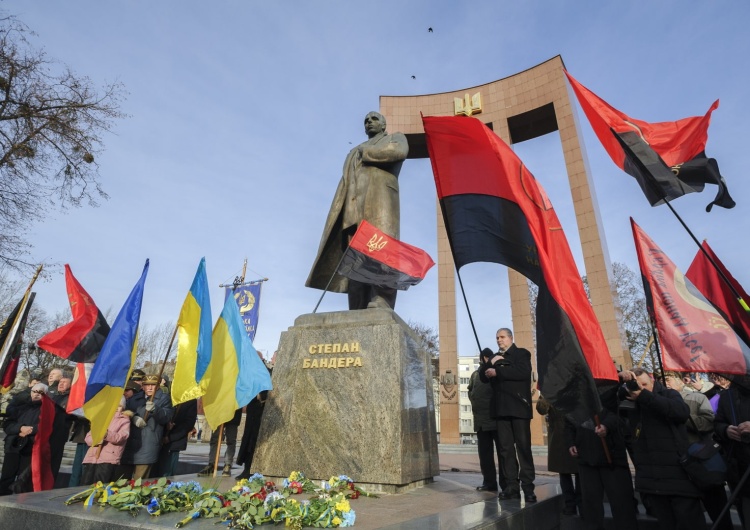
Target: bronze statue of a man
x=368, y=190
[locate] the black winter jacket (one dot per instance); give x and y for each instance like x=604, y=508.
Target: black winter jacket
x=512, y=385
x=480, y=395
x=659, y=438
x=182, y=423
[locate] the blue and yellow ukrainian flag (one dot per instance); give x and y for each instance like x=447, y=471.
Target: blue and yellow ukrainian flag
x=193, y=341
x=113, y=365
x=236, y=373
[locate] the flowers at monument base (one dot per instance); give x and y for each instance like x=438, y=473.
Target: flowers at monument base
x=249, y=503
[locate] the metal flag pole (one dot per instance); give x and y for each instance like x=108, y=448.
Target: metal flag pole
x=715, y=265
x=657, y=189
x=335, y=271
x=460, y=281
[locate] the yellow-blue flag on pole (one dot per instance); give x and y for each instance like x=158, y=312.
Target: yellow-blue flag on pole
x=236, y=373
x=113, y=365
x=193, y=341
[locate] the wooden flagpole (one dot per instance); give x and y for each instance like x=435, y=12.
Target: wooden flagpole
x=5, y=347
x=161, y=372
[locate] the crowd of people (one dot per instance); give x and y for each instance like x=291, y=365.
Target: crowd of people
x=143, y=440
x=646, y=424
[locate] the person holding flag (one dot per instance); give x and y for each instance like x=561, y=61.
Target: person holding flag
x=152, y=411
x=509, y=373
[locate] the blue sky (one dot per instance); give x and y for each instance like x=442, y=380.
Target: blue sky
x=241, y=115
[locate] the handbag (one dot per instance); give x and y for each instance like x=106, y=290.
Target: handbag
x=704, y=462
x=705, y=465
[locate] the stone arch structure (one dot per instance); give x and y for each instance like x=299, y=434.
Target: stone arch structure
x=520, y=107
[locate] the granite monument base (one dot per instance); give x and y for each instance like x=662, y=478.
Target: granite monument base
x=352, y=395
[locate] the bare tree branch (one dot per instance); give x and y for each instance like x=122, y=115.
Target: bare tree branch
x=51, y=127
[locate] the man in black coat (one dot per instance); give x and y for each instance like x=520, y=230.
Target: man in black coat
x=603, y=471
x=175, y=438
x=658, y=430
x=509, y=373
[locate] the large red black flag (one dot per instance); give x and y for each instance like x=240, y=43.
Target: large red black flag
x=376, y=258
x=706, y=278
x=693, y=336
x=11, y=337
x=495, y=211
x=667, y=159
x=42, y=476
x=81, y=339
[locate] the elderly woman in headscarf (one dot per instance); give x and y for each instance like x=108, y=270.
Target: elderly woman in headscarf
x=20, y=430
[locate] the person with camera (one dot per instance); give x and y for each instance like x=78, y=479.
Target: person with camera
x=658, y=427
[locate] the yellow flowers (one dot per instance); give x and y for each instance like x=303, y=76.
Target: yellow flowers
x=336, y=521
x=343, y=506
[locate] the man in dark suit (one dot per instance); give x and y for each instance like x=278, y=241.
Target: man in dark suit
x=509, y=373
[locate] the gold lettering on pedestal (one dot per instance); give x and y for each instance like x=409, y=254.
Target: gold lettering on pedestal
x=333, y=362
x=335, y=347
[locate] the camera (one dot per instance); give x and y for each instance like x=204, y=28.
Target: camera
x=624, y=391
x=632, y=385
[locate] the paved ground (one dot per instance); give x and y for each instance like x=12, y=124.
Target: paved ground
x=453, y=458
x=451, y=501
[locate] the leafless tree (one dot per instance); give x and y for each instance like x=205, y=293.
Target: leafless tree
x=153, y=341
x=39, y=324
x=51, y=127
x=634, y=315
x=635, y=319
x=430, y=342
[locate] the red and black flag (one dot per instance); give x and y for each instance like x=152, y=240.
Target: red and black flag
x=81, y=339
x=693, y=335
x=708, y=281
x=495, y=211
x=42, y=476
x=376, y=258
x=11, y=337
x=667, y=159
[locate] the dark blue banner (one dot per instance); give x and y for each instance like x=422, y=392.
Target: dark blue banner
x=248, y=300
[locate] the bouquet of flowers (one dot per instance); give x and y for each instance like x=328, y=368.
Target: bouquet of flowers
x=250, y=502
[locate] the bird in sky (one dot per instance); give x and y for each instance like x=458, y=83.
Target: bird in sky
x=429, y=30
x=413, y=77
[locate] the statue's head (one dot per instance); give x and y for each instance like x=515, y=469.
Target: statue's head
x=374, y=123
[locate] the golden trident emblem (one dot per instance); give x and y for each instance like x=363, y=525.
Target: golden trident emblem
x=468, y=106
x=375, y=243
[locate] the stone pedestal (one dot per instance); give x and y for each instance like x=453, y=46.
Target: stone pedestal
x=352, y=394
